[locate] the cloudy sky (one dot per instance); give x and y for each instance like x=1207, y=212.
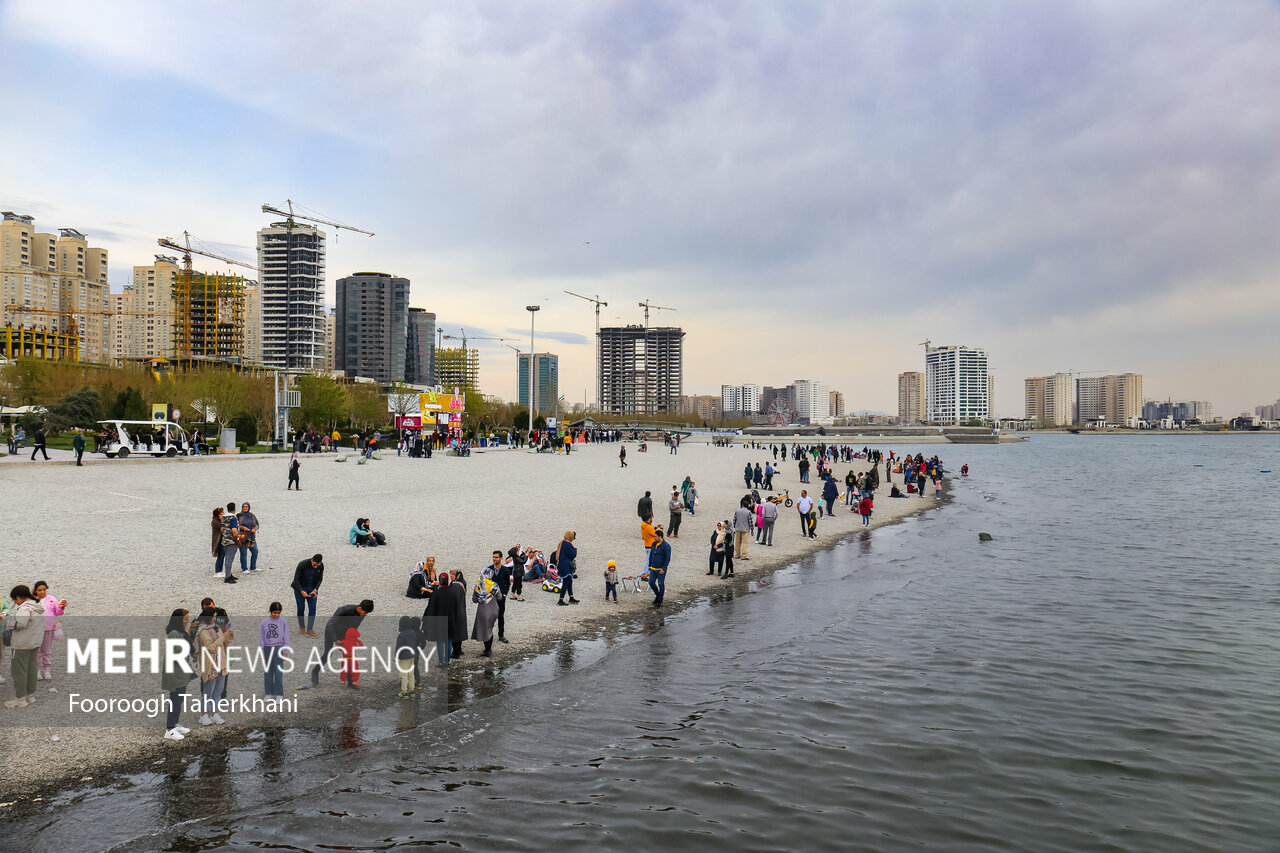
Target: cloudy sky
x=814, y=187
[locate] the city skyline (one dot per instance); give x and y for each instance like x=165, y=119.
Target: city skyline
x=1081, y=194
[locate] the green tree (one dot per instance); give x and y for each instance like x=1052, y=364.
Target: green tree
x=80, y=408
x=223, y=391
x=365, y=404
x=128, y=406
x=324, y=402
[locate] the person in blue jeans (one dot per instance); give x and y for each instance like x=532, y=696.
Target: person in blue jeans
x=273, y=637
x=307, y=578
x=247, y=527
x=659, y=560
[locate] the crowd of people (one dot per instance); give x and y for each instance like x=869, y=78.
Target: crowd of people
x=32, y=615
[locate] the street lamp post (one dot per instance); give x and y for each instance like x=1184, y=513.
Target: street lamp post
x=533, y=312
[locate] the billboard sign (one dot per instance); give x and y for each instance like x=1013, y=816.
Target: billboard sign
x=443, y=403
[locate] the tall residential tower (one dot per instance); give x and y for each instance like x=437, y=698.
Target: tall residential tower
x=957, y=388
x=292, y=295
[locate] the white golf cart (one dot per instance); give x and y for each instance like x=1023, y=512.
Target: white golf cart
x=150, y=438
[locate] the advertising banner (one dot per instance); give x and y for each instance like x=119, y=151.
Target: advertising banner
x=444, y=403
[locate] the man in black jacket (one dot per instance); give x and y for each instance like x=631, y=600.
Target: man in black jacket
x=346, y=616
x=645, y=508
x=500, y=575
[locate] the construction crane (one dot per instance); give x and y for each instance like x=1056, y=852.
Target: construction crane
x=289, y=217
x=464, y=338
x=646, y=305
x=927, y=343
x=183, y=306
x=598, y=302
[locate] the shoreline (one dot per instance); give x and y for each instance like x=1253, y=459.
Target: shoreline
x=102, y=756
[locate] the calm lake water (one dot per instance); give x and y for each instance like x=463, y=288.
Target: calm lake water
x=1101, y=677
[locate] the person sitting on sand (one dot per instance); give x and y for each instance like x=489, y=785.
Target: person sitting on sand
x=535, y=566
x=359, y=534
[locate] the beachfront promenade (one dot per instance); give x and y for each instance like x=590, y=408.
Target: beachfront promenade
x=119, y=537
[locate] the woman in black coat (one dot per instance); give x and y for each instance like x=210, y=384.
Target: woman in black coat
x=437, y=620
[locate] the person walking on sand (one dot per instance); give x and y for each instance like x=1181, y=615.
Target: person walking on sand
x=294, y=465
x=746, y=475
x=675, y=507
x=38, y=445
x=485, y=596
x=804, y=506
x=864, y=508
x=622, y=456
x=77, y=444
x=649, y=535
x=273, y=638
x=757, y=476
x=768, y=517
x=659, y=562
x=644, y=508
x=345, y=617
x=501, y=574
x=742, y=524
x=307, y=577
x=566, y=562
x=768, y=474
x=830, y=491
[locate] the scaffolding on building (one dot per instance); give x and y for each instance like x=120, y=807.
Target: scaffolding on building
x=458, y=367
x=213, y=324
x=23, y=342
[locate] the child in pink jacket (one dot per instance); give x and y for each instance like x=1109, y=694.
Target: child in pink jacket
x=53, y=608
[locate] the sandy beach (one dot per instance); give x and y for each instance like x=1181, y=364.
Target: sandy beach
x=132, y=537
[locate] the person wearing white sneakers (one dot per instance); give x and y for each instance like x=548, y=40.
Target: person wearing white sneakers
x=26, y=618
x=175, y=679
x=212, y=640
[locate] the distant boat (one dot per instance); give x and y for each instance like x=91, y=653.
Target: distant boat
x=1265, y=471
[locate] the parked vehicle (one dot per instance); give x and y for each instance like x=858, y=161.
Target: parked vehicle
x=152, y=438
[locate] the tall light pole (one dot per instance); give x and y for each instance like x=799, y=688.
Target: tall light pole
x=533, y=312
x=518, y=354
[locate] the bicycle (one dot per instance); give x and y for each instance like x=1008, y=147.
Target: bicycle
x=784, y=498
x=634, y=583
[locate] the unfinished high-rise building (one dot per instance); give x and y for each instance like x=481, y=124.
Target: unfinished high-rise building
x=641, y=369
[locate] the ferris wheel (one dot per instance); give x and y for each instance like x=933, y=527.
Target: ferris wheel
x=780, y=413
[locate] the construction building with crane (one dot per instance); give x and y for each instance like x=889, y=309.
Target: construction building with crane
x=210, y=316
x=371, y=326
x=641, y=369
x=47, y=282
x=291, y=257
x=458, y=367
